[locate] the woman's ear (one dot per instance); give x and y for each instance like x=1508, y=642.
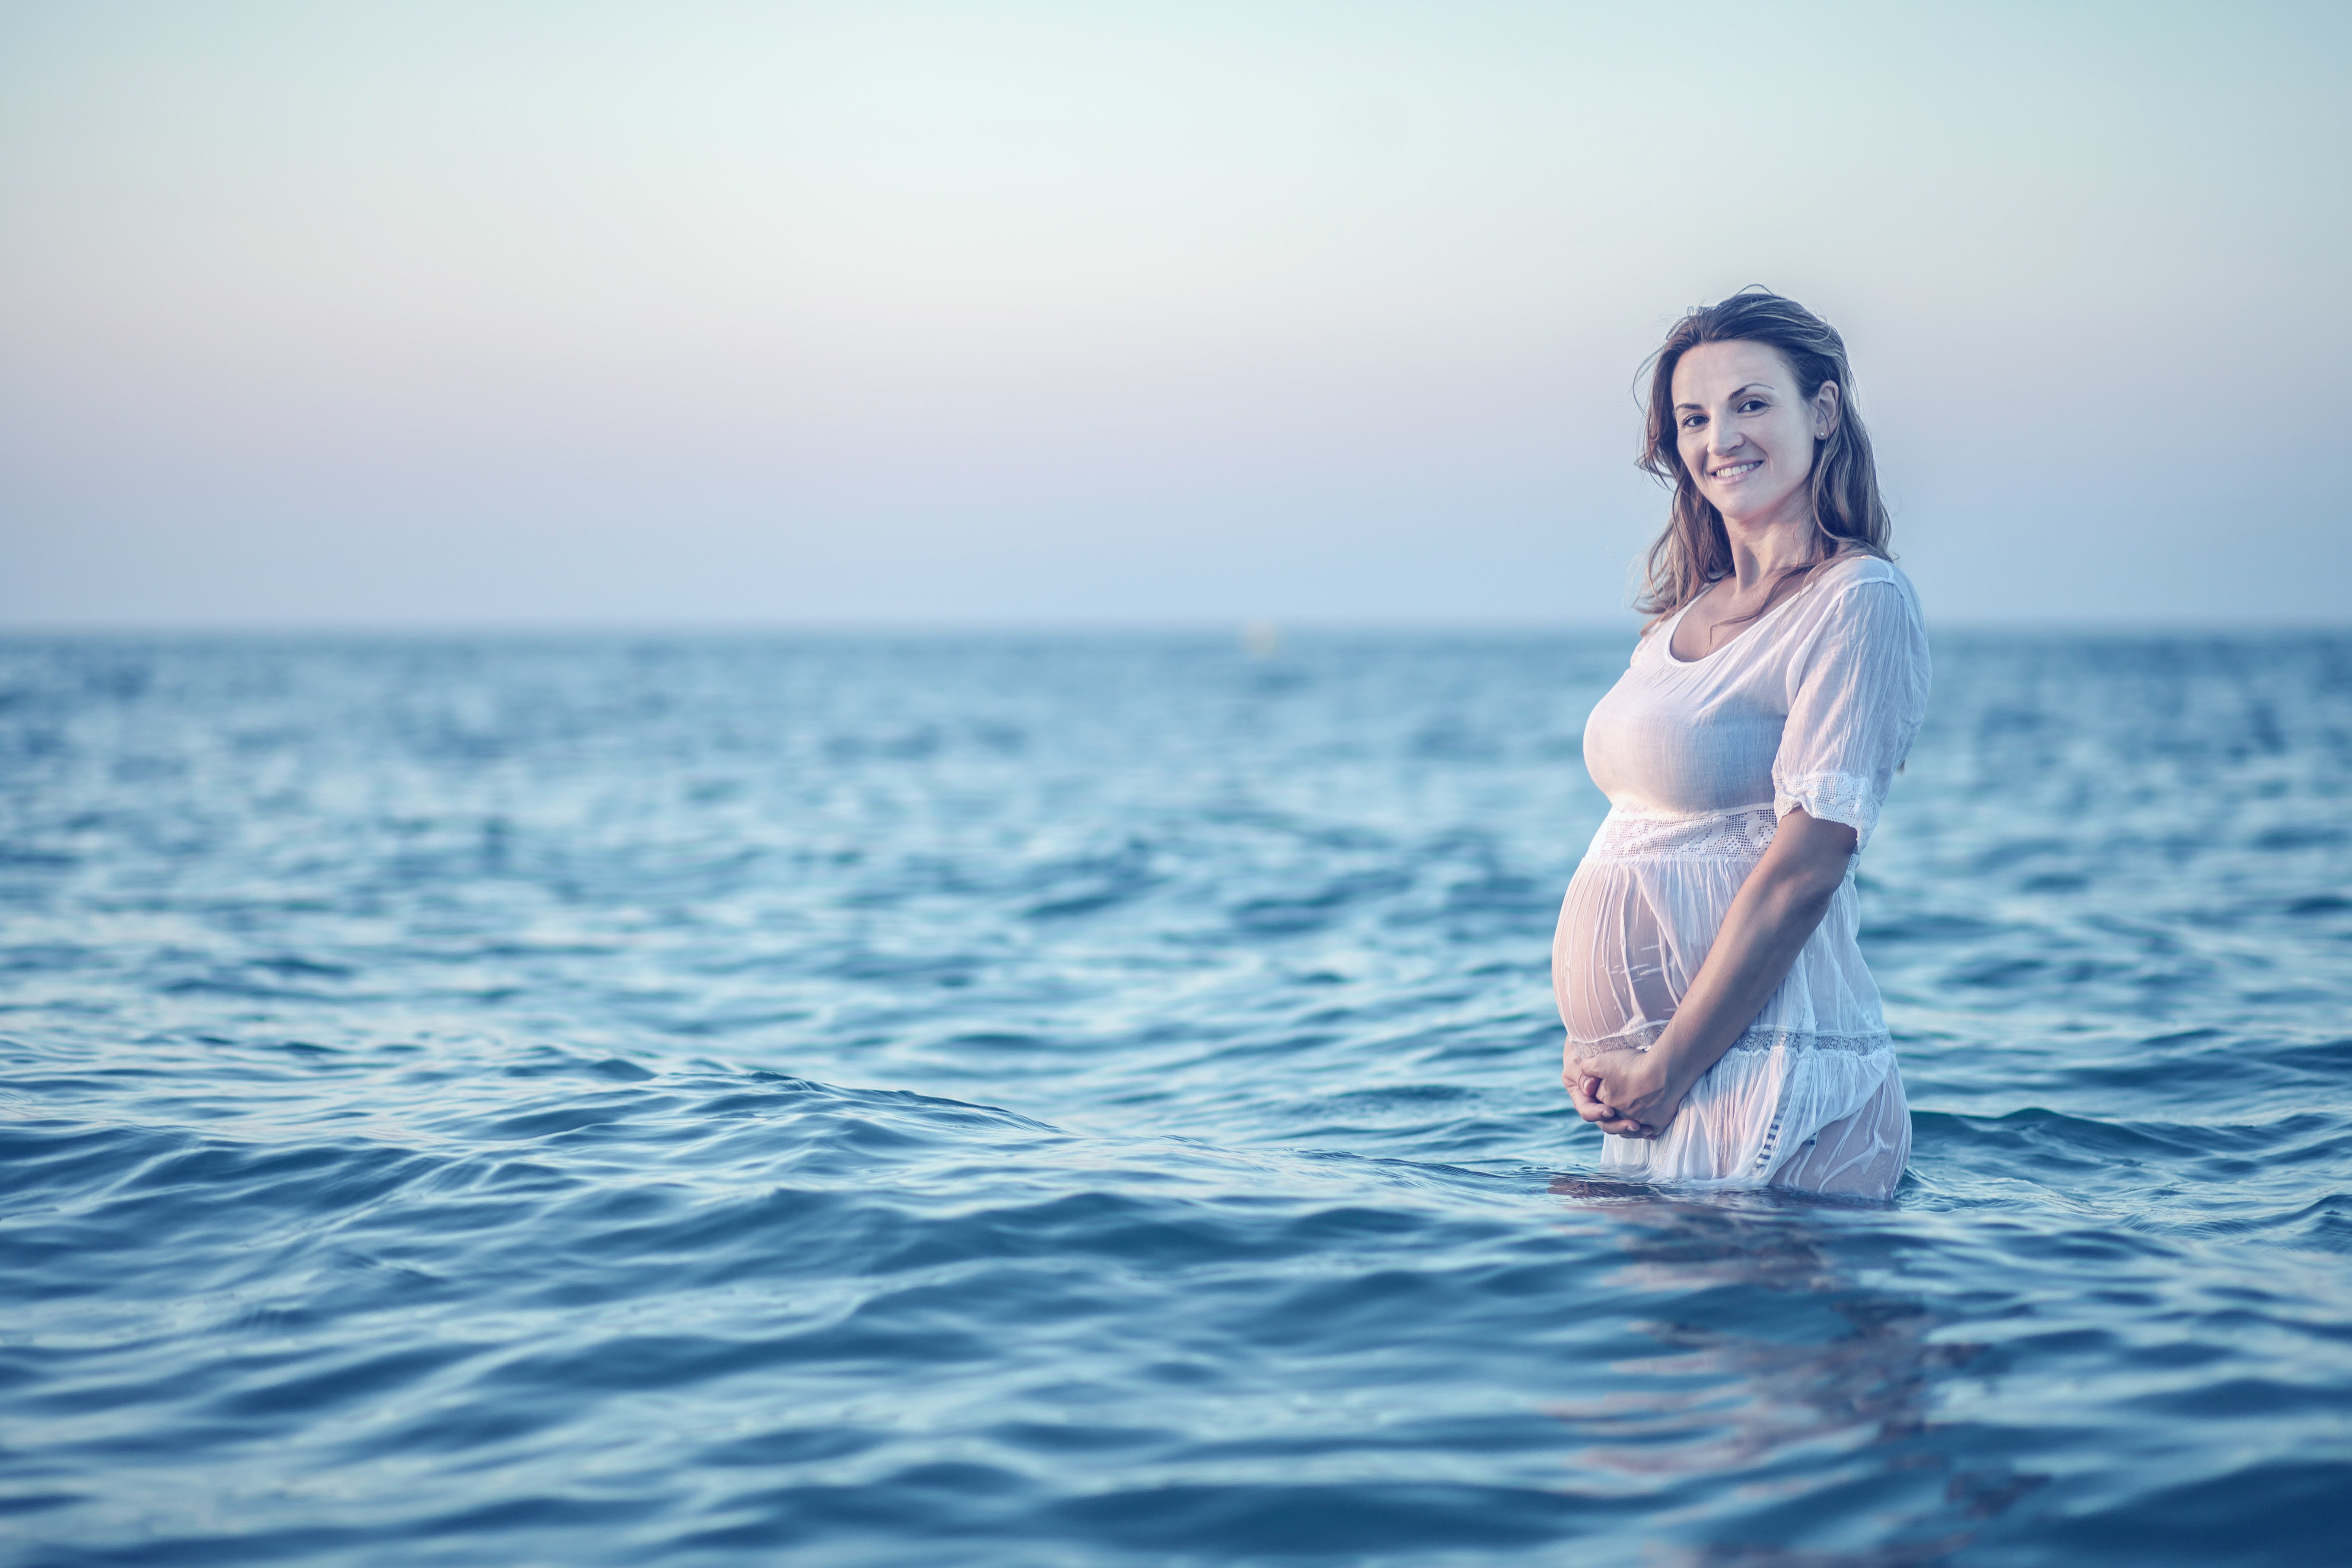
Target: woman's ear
x=1825, y=411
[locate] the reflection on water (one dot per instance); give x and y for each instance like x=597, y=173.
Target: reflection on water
x=1781, y=1373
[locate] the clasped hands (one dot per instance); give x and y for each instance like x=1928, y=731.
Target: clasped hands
x=1630, y=1093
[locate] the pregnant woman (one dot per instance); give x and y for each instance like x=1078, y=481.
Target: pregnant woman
x=1721, y=1024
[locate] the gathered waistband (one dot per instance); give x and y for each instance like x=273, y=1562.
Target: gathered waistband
x=1741, y=833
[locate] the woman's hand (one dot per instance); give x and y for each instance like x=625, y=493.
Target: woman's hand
x=1635, y=1090
x=1580, y=1087
x=1585, y=1078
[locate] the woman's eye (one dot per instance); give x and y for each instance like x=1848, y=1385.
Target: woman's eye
x=1751, y=405
x=1693, y=421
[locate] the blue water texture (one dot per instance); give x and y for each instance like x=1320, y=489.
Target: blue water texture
x=1075, y=1100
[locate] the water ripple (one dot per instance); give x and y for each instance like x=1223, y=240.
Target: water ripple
x=1071, y=1101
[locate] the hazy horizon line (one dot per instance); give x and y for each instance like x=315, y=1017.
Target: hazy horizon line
x=1241, y=627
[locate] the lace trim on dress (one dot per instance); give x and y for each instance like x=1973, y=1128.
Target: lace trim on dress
x=1832, y=797
x=1754, y=1040
x=1742, y=832
x=1761, y=1040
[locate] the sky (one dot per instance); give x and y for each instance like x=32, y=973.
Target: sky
x=699, y=314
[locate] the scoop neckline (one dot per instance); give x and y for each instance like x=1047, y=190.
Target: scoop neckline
x=1753, y=626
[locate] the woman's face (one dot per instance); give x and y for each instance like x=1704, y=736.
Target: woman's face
x=1746, y=435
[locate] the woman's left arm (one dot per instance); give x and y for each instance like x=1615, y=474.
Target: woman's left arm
x=1774, y=913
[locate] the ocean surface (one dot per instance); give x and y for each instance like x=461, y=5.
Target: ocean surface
x=1041, y=1101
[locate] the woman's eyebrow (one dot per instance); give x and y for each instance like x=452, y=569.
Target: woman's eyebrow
x=1751, y=387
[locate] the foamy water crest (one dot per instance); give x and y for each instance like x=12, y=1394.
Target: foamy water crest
x=1068, y=1101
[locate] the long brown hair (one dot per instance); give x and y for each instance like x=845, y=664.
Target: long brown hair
x=1849, y=514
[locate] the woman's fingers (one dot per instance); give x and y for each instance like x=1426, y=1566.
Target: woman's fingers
x=1590, y=1094
x=1613, y=1119
x=1620, y=1099
x=1586, y=1106
x=1604, y=1117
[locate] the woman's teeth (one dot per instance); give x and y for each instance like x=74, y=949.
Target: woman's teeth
x=1736, y=469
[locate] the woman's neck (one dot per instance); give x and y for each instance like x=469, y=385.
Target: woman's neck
x=1760, y=553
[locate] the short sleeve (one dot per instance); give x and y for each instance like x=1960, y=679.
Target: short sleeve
x=1857, y=694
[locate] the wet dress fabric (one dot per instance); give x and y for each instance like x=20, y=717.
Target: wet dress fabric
x=1814, y=705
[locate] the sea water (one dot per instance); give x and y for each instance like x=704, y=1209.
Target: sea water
x=1039, y=1100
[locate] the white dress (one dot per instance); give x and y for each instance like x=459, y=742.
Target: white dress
x=1814, y=705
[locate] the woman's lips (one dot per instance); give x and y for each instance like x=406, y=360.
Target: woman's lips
x=1736, y=470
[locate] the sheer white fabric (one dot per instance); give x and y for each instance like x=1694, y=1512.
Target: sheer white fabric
x=1814, y=705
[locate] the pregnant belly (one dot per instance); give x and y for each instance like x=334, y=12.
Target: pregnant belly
x=1632, y=935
